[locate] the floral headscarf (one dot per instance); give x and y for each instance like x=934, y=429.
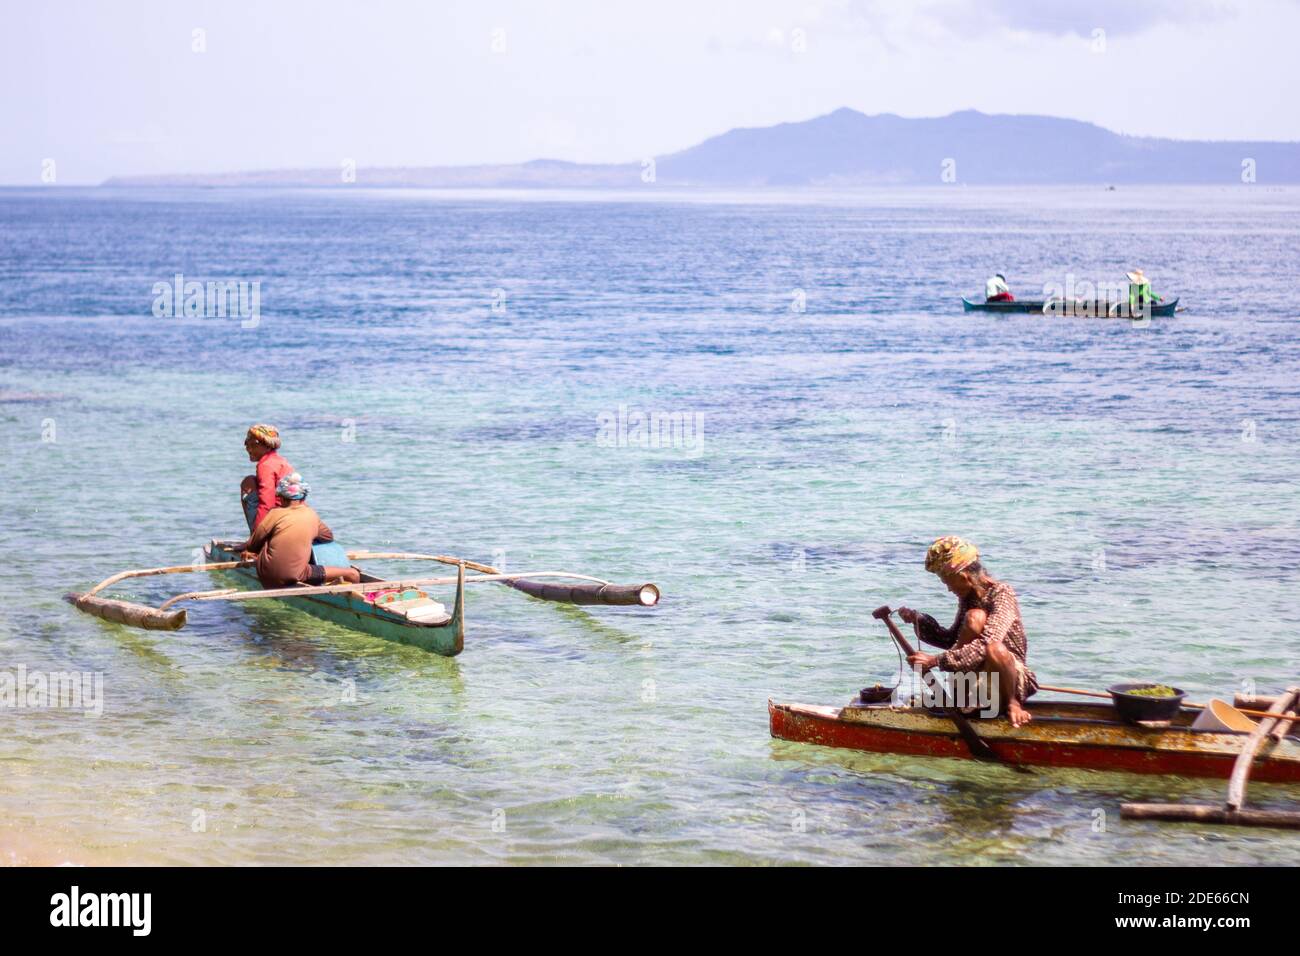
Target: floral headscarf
x=292, y=486
x=266, y=434
x=950, y=553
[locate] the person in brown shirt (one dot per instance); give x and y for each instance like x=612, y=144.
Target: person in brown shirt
x=988, y=634
x=281, y=543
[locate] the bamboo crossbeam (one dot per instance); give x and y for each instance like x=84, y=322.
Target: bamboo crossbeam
x=1246, y=759
x=646, y=595
x=1257, y=701
x=412, y=556
x=176, y=569
x=301, y=591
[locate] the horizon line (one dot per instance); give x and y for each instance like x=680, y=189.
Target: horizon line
x=246, y=171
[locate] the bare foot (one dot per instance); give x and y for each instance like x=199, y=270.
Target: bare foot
x=1017, y=714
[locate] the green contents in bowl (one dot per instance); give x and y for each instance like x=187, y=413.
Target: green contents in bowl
x=1155, y=690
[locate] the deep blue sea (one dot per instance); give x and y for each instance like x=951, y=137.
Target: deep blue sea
x=440, y=365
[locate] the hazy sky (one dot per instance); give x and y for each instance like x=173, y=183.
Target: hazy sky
x=105, y=88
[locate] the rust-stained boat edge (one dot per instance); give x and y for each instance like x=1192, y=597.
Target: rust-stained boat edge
x=1062, y=734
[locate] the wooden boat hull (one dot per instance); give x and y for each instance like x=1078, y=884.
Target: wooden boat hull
x=1101, y=309
x=353, y=611
x=1084, y=736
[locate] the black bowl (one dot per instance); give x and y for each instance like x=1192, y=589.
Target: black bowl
x=1136, y=707
x=875, y=694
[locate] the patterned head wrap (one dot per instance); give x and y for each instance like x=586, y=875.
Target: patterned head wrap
x=950, y=553
x=266, y=434
x=292, y=486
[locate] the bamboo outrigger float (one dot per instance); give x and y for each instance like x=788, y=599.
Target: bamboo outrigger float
x=396, y=610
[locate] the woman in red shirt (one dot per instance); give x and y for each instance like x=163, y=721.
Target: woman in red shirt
x=257, y=491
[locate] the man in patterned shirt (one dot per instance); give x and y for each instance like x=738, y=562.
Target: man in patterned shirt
x=987, y=636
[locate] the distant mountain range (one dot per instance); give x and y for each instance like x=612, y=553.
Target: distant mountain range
x=848, y=148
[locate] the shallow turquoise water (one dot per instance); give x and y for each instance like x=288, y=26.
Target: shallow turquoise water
x=1137, y=485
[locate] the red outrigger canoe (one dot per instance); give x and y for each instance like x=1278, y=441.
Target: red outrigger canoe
x=1061, y=734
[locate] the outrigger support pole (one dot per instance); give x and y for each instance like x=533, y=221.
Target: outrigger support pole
x=591, y=591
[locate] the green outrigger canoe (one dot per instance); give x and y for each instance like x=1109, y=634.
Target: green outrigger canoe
x=395, y=610
x=420, y=622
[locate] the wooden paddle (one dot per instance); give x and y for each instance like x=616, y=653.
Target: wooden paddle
x=977, y=745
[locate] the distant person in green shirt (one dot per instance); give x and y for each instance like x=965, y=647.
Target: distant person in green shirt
x=1139, y=292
